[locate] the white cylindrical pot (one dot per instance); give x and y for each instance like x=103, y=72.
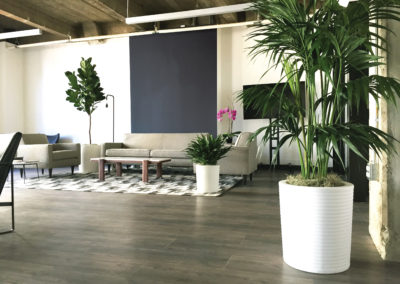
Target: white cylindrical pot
x=316, y=227
x=207, y=178
x=89, y=151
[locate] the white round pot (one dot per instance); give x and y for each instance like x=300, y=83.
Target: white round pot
x=316, y=227
x=207, y=178
x=89, y=151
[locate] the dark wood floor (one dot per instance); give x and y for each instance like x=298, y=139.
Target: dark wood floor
x=78, y=237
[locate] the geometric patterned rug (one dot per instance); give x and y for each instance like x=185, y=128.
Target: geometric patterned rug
x=172, y=183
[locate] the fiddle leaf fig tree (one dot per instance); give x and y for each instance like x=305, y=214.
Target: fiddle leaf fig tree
x=85, y=91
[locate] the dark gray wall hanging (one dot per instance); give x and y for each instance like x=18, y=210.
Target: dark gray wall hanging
x=174, y=82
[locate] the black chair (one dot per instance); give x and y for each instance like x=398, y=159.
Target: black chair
x=6, y=164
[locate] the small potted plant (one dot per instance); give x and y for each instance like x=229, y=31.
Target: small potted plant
x=231, y=117
x=205, y=150
x=85, y=93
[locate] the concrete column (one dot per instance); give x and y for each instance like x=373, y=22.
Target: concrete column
x=384, y=218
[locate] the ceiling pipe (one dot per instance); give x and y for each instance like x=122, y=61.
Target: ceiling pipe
x=185, y=29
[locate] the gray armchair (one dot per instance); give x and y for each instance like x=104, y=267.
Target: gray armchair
x=241, y=159
x=35, y=147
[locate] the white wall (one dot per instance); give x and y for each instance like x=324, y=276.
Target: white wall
x=11, y=89
x=48, y=112
x=239, y=69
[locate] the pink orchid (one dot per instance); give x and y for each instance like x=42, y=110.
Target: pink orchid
x=231, y=116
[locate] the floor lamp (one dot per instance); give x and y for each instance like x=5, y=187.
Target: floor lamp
x=113, y=112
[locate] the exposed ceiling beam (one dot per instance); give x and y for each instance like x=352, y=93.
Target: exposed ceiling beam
x=224, y=18
x=90, y=29
x=103, y=6
x=174, y=5
x=16, y=10
x=117, y=9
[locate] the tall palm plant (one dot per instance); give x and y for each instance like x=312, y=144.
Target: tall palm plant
x=321, y=42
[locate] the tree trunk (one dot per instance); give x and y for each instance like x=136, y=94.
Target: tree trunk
x=90, y=129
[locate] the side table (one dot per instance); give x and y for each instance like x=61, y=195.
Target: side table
x=20, y=164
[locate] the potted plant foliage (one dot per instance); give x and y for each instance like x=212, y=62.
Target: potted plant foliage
x=320, y=43
x=85, y=92
x=205, y=150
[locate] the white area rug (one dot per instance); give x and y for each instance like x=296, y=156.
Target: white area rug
x=171, y=183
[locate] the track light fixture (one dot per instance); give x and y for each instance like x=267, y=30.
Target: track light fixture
x=24, y=33
x=189, y=14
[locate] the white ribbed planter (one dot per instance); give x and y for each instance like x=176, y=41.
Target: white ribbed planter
x=89, y=151
x=207, y=178
x=316, y=227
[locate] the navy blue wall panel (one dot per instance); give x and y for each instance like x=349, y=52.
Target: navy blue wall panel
x=174, y=82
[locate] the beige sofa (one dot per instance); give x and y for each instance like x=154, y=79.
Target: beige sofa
x=4, y=142
x=153, y=145
x=240, y=160
x=35, y=147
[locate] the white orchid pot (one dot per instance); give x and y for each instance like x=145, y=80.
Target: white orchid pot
x=88, y=152
x=207, y=178
x=316, y=227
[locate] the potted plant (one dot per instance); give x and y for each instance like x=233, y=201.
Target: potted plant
x=85, y=92
x=320, y=42
x=231, y=117
x=205, y=150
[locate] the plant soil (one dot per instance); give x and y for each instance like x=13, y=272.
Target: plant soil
x=332, y=180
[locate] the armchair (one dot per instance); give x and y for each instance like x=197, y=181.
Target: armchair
x=241, y=159
x=35, y=147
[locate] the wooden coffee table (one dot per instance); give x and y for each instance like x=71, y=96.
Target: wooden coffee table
x=119, y=161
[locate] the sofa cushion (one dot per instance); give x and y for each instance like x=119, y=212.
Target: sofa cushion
x=34, y=139
x=168, y=154
x=143, y=140
x=177, y=141
x=64, y=154
x=155, y=141
x=128, y=153
x=5, y=140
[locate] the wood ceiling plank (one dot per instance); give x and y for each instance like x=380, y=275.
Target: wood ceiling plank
x=174, y=5
x=117, y=9
x=15, y=9
x=224, y=18
x=104, y=7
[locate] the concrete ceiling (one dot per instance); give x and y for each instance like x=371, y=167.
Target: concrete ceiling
x=64, y=19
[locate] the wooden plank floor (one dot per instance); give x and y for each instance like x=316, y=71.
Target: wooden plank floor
x=78, y=237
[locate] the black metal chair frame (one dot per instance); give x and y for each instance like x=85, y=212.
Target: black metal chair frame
x=6, y=165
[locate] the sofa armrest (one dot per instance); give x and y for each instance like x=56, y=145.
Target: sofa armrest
x=240, y=160
x=105, y=146
x=67, y=146
x=37, y=152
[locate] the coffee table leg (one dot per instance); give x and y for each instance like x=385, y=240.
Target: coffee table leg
x=145, y=170
x=101, y=169
x=24, y=172
x=159, y=170
x=37, y=170
x=118, y=169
